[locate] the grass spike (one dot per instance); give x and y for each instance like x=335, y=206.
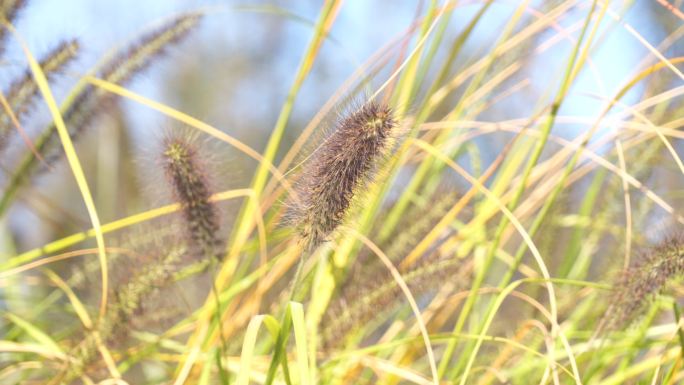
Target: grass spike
x=120, y=69
x=128, y=299
x=24, y=90
x=638, y=285
x=191, y=189
x=360, y=305
x=339, y=168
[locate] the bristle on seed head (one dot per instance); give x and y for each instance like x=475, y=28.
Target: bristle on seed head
x=639, y=284
x=24, y=90
x=191, y=189
x=342, y=164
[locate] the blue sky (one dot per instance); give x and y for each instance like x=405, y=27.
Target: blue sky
x=362, y=27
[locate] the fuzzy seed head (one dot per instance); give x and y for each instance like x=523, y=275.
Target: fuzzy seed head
x=639, y=284
x=191, y=190
x=339, y=168
x=132, y=60
x=24, y=90
x=162, y=256
x=8, y=12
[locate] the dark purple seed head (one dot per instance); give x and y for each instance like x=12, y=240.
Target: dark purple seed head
x=339, y=168
x=190, y=188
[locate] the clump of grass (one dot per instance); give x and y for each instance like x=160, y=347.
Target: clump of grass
x=23, y=91
x=638, y=285
x=160, y=256
x=186, y=175
x=157, y=259
x=474, y=286
x=369, y=300
x=339, y=168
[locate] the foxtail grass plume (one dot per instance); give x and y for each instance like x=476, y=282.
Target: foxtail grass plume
x=24, y=90
x=638, y=285
x=339, y=168
x=190, y=187
x=161, y=261
x=123, y=67
x=90, y=101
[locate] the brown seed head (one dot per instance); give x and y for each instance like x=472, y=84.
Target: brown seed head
x=339, y=168
x=639, y=284
x=24, y=90
x=191, y=189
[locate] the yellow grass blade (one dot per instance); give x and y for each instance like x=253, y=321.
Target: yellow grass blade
x=247, y=355
x=34, y=332
x=523, y=233
x=299, y=326
x=74, y=163
x=190, y=121
x=76, y=303
x=23, y=347
x=71, y=240
x=409, y=297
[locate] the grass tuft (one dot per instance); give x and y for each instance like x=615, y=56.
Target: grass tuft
x=120, y=69
x=499, y=278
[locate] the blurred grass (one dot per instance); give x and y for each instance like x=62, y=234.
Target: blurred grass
x=541, y=225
